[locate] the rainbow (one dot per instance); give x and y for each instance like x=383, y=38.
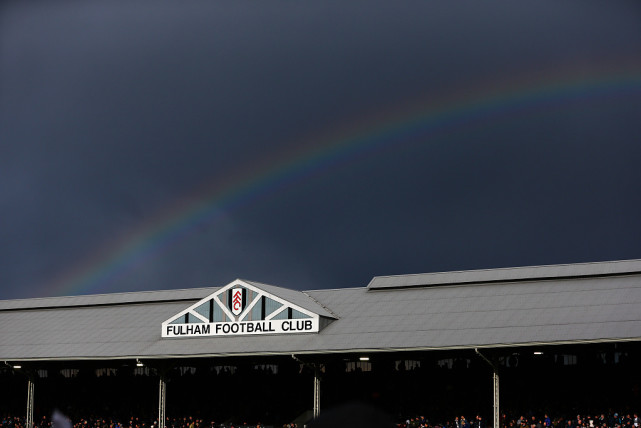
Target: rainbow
x=425, y=118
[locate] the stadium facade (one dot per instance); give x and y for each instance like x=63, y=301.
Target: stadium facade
x=491, y=314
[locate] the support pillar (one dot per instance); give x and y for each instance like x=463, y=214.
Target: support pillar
x=497, y=415
x=30, y=390
x=316, y=393
x=495, y=381
x=162, y=401
x=316, y=367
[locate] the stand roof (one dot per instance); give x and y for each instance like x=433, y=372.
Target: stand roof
x=579, y=303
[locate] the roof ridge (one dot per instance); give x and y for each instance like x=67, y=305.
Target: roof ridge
x=519, y=273
x=509, y=268
x=321, y=305
x=118, y=293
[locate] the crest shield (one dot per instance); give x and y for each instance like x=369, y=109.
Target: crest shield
x=236, y=304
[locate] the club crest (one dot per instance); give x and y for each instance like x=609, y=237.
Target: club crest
x=236, y=304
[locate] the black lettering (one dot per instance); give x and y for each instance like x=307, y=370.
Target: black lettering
x=260, y=327
x=226, y=330
x=218, y=326
x=250, y=328
x=270, y=327
x=234, y=330
x=286, y=325
x=300, y=325
x=190, y=329
x=206, y=329
x=308, y=324
x=170, y=328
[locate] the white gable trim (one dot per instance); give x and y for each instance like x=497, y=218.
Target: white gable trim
x=239, y=325
x=197, y=315
x=220, y=303
x=251, y=305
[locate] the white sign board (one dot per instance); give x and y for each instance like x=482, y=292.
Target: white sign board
x=241, y=328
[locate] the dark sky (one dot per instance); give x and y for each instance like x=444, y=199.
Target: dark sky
x=413, y=136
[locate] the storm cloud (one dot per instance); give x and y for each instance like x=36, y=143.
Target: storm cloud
x=114, y=115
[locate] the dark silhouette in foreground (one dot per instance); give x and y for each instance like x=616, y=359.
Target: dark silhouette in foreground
x=353, y=415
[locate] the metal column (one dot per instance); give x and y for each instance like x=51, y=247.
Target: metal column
x=30, y=390
x=162, y=401
x=316, y=393
x=316, y=367
x=497, y=415
x=495, y=381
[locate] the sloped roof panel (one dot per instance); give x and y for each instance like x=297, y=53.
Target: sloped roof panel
x=493, y=314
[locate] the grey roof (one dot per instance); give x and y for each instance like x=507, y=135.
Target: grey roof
x=509, y=313
x=528, y=273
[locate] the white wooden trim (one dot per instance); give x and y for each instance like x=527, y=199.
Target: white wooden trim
x=276, y=312
x=224, y=308
x=249, y=307
x=240, y=283
x=199, y=316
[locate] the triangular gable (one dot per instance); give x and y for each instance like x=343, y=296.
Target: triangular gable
x=298, y=298
x=242, y=308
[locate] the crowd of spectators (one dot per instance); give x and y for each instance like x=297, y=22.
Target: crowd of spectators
x=133, y=422
x=601, y=420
